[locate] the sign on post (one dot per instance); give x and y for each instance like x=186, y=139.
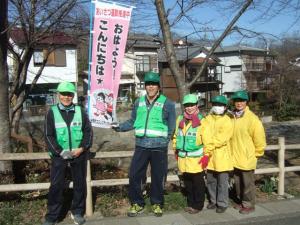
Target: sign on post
x=109, y=29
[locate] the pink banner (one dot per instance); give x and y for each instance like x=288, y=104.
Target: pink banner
x=109, y=32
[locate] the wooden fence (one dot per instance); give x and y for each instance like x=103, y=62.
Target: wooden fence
x=280, y=169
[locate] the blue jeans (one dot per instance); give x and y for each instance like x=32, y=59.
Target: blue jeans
x=159, y=164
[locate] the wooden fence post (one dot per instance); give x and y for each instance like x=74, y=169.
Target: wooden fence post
x=89, y=196
x=281, y=164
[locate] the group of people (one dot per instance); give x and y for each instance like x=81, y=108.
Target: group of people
x=211, y=146
x=223, y=142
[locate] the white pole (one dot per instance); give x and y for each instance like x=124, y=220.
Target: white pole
x=281, y=153
x=89, y=198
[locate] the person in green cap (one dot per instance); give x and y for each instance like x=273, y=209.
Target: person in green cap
x=68, y=136
x=153, y=119
x=189, y=152
x=219, y=130
x=247, y=145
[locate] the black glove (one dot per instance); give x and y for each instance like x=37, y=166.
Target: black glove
x=115, y=126
x=66, y=154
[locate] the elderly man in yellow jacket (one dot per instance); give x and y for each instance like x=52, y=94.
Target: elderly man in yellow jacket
x=188, y=146
x=219, y=130
x=248, y=143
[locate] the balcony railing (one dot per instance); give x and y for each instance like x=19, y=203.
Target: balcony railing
x=204, y=79
x=255, y=66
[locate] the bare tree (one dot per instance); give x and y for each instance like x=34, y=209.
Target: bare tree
x=170, y=52
x=36, y=21
x=285, y=83
x=4, y=122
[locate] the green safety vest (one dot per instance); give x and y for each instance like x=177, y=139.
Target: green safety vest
x=62, y=131
x=186, y=144
x=149, y=123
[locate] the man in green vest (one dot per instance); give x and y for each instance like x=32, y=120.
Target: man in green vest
x=68, y=135
x=153, y=118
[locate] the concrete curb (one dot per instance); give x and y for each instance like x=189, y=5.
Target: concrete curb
x=264, y=211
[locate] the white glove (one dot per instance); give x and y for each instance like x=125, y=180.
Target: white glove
x=66, y=154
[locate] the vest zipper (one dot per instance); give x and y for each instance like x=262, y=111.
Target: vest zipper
x=149, y=107
x=69, y=132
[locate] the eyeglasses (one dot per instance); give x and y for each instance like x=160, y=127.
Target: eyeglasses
x=68, y=94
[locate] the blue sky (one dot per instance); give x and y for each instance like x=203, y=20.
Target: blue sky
x=278, y=24
x=216, y=17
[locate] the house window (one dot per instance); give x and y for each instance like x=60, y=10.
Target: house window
x=236, y=68
x=55, y=58
x=38, y=58
x=142, y=63
x=227, y=69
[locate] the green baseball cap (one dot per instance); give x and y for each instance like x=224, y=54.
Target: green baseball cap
x=66, y=87
x=190, y=98
x=220, y=99
x=152, y=77
x=240, y=95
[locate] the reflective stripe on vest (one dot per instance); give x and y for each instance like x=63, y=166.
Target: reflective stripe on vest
x=62, y=131
x=196, y=153
x=186, y=144
x=149, y=123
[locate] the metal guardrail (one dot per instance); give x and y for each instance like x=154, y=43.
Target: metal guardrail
x=280, y=169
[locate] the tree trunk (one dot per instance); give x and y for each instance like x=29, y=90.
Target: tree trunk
x=16, y=121
x=170, y=52
x=4, y=106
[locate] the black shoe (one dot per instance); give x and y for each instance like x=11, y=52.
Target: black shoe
x=211, y=206
x=221, y=209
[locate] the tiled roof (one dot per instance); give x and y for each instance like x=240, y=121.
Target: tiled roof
x=58, y=38
x=183, y=53
x=236, y=48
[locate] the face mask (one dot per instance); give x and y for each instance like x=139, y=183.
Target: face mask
x=218, y=110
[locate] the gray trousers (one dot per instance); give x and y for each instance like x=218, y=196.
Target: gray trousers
x=217, y=185
x=245, y=186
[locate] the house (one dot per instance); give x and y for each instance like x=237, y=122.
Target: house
x=140, y=57
x=61, y=66
x=245, y=68
x=190, y=59
x=296, y=61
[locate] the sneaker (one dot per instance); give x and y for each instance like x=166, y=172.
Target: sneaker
x=247, y=210
x=48, y=223
x=156, y=209
x=211, y=206
x=134, y=210
x=193, y=211
x=237, y=206
x=221, y=209
x=187, y=209
x=78, y=219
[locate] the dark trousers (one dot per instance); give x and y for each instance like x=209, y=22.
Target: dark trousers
x=159, y=163
x=195, y=189
x=57, y=180
x=245, y=186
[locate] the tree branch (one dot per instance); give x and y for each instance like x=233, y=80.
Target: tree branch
x=219, y=40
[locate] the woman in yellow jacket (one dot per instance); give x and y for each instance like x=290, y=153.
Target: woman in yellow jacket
x=188, y=146
x=247, y=144
x=219, y=130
